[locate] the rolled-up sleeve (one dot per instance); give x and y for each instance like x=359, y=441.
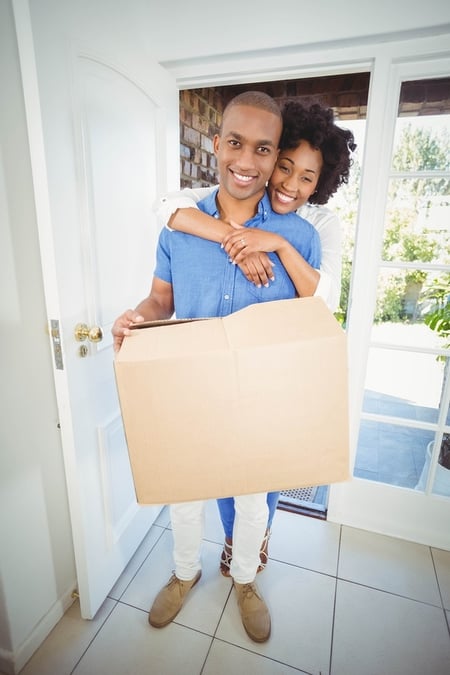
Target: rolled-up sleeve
x=328, y=226
x=165, y=206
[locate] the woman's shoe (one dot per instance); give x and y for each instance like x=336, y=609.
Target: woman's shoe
x=227, y=555
x=264, y=551
x=225, y=558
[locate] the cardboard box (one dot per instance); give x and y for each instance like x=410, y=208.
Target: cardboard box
x=252, y=402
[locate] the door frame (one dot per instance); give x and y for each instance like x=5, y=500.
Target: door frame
x=360, y=503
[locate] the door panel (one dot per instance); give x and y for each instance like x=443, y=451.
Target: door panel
x=118, y=131
x=103, y=126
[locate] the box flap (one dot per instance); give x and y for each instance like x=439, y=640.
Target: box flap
x=281, y=322
x=174, y=340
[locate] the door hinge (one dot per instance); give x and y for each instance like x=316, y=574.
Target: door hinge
x=56, y=342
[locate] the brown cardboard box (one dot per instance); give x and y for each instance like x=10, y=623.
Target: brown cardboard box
x=251, y=402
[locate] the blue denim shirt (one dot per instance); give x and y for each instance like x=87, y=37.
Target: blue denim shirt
x=205, y=282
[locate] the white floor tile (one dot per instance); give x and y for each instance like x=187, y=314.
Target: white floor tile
x=163, y=520
x=442, y=562
x=128, y=645
x=377, y=633
x=203, y=606
x=135, y=563
x=226, y=659
x=369, y=627
x=306, y=542
x=66, y=643
x=301, y=607
x=388, y=564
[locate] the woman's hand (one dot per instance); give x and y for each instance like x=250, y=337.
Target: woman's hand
x=257, y=268
x=241, y=242
x=248, y=248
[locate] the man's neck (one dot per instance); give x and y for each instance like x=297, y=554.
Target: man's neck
x=236, y=210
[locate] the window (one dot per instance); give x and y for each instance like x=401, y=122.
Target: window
x=406, y=404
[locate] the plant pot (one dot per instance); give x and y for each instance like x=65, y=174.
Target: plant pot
x=442, y=476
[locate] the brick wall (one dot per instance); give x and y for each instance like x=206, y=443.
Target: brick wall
x=201, y=111
x=200, y=118
x=346, y=94
x=201, y=114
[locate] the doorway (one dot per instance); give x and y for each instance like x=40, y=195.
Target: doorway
x=200, y=117
x=200, y=111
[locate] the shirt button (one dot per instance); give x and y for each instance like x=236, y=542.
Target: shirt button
x=226, y=296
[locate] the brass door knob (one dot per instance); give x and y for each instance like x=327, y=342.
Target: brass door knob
x=83, y=332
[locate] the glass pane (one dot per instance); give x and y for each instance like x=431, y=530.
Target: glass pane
x=422, y=143
x=417, y=222
x=406, y=297
x=402, y=383
x=391, y=454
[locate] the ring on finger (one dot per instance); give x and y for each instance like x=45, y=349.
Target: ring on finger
x=243, y=242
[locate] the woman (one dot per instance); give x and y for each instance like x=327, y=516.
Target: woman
x=314, y=160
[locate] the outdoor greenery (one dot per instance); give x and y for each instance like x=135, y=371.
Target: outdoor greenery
x=438, y=317
x=416, y=240
x=416, y=231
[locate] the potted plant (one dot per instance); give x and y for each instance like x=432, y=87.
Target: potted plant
x=441, y=484
x=444, y=455
x=438, y=319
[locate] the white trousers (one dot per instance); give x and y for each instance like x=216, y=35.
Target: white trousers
x=249, y=529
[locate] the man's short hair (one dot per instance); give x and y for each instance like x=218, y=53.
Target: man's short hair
x=255, y=99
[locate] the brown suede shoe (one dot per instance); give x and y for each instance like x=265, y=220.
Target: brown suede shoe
x=254, y=612
x=170, y=600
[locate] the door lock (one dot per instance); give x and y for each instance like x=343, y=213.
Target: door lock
x=83, y=332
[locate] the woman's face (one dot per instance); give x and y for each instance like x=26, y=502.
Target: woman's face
x=295, y=177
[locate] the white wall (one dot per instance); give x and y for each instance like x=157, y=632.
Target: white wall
x=236, y=26
x=36, y=560
x=37, y=570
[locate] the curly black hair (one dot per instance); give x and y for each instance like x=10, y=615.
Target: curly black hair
x=315, y=123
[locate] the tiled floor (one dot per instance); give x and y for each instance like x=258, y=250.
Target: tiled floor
x=343, y=602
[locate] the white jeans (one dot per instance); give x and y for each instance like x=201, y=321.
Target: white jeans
x=249, y=529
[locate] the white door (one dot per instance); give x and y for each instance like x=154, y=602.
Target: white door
x=103, y=126
x=399, y=367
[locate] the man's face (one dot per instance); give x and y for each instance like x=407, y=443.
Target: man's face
x=247, y=150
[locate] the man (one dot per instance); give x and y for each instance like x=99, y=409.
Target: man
x=195, y=278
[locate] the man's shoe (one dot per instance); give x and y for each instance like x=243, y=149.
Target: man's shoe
x=170, y=600
x=254, y=612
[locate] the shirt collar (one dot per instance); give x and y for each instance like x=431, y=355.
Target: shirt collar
x=264, y=207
